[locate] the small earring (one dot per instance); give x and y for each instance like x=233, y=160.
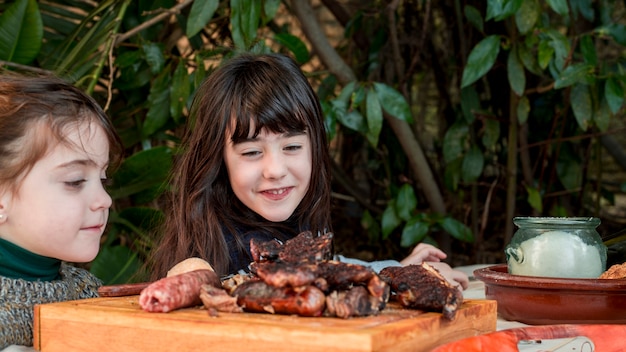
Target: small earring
x=1, y=216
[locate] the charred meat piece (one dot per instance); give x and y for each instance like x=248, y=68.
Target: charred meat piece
x=307, y=247
x=423, y=287
x=218, y=300
x=231, y=282
x=341, y=275
x=257, y=296
x=281, y=274
x=262, y=251
x=354, y=302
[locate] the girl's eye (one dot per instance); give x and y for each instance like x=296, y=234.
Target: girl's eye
x=75, y=184
x=251, y=153
x=293, y=147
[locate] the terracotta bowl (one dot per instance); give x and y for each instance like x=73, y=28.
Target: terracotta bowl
x=543, y=300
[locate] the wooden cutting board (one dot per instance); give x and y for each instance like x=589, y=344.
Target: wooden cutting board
x=119, y=324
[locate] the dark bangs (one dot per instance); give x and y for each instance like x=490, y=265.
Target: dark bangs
x=266, y=97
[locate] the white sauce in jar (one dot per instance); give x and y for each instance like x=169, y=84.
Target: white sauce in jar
x=557, y=254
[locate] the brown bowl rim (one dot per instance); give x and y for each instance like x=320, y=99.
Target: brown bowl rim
x=498, y=275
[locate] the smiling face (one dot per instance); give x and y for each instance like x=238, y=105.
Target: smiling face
x=61, y=207
x=270, y=173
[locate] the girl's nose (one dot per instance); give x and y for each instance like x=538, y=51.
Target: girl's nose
x=275, y=166
x=102, y=199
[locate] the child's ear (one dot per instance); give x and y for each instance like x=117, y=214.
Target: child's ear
x=5, y=199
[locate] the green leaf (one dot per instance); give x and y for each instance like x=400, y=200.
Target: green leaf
x=569, y=171
x=143, y=172
x=21, y=32
x=602, y=116
x=393, y=102
x=179, y=91
x=245, y=17
x=406, y=202
x=390, y=220
x=491, y=133
x=352, y=119
x=527, y=15
x=580, y=100
x=200, y=14
x=457, y=229
x=295, y=45
x=501, y=9
x=614, y=94
x=470, y=103
x=153, y=53
x=577, y=73
x=374, y=113
x=534, y=199
x=454, y=141
x=452, y=174
x=523, y=108
x=270, y=8
x=515, y=73
x=561, y=46
x=473, y=164
x=588, y=50
x=414, y=232
x=159, y=105
x=115, y=265
x=559, y=6
x=474, y=17
x=584, y=7
x=481, y=59
x=544, y=53
x=618, y=32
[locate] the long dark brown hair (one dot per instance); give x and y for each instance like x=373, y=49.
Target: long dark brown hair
x=266, y=91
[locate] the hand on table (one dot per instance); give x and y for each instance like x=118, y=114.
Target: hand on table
x=432, y=255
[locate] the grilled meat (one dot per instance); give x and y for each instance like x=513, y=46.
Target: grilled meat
x=423, y=287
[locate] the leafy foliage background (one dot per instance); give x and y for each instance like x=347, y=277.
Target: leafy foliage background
x=446, y=118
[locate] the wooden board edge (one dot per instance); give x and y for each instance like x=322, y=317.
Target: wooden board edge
x=36, y=326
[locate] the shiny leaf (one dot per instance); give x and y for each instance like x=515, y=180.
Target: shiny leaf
x=481, y=59
x=454, y=141
x=559, y=6
x=527, y=15
x=523, y=108
x=159, y=108
x=406, y=202
x=473, y=164
x=588, y=50
x=602, y=116
x=534, y=199
x=200, y=14
x=614, y=94
x=491, y=133
x=393, y=102
x=474, y=17
x=390, y=220
x=577, y=73
x=374, y=114
x=295, y=45
x=457, y=229
x=580, y=100
x=179, y=91
x=21, y=32
x=501, y=9
x=515, y=73
x=414, y=231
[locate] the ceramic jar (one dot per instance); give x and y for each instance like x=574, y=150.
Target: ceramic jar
x=566, y=247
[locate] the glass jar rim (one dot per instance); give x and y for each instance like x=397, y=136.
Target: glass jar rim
x=556, y=221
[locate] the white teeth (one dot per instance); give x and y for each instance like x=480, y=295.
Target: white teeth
x=277, y=191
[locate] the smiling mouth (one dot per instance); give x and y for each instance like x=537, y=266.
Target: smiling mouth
x=277, y=191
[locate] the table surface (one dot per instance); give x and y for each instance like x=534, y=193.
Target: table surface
x=476, y=290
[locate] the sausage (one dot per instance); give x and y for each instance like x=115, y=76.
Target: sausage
x=177, y=291
x=259, y=297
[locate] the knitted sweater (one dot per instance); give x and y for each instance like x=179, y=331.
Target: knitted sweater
x=18, y=298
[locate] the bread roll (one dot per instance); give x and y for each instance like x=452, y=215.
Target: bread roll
x=188, y=265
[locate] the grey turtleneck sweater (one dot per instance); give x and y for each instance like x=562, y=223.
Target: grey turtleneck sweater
x=18, y=297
